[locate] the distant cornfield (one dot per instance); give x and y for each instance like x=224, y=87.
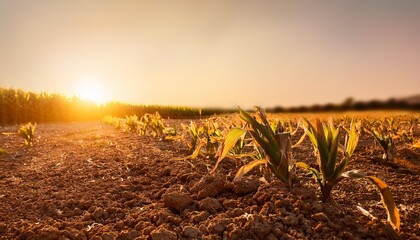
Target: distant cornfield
x=19, y=106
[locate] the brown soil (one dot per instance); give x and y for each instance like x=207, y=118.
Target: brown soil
x=91, y=181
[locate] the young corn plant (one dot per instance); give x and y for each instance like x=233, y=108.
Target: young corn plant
x=170, y=134
x=212, y=136
x=156, y=125
x=275, y=145
x=325, y=139
x=153, y=123
x=204, y=139
x=384, y=138
x=27, y=132
x=132, y=123
x=194, y=136
x=118, y=123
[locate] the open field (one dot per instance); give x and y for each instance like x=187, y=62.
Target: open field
x=92, y=181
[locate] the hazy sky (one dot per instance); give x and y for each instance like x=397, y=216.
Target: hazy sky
x=213, y=53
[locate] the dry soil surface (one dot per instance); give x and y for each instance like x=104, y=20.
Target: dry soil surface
x=91, y=181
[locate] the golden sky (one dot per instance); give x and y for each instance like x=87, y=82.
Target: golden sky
x=212, y=53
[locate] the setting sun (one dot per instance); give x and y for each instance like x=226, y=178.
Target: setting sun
x=93, y=91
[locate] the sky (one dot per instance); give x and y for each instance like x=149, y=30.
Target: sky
x=212, y=53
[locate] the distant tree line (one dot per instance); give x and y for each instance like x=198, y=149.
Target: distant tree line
x=351, y=105
x=19, y=106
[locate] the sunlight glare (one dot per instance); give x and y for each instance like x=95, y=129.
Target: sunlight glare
x=93, y=91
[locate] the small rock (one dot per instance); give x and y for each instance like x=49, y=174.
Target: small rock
x=87, y=217
x=68, y=212
x=119, y=225
x=319, y=227
x=245, y=186
x=191, y=232
x=146, y=231
x=209, y=186
x=78, y=211
x=321, y=217
x=291, y=220
x=257, y=226
x=163, y=234
x=236, y=212
x=304, y=192
x=108, y=236
x=133, y=234
x=176, y=200
x=216, y=228
x=142, y=225
x=230, y=203
x=166, y=172
x=49, y=233
x=123, y=236
x=77, y=235
x=236, y=234
x=211, y=205
x=199, y=217
x=174, y=219
x=98, y=213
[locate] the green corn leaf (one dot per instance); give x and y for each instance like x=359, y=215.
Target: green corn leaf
x=300, y=140
x=261, y=129
x=248, y=167
x=333, y=149
x=336, y=176
x=263, y=117
x=386, y=197
x=388, y=202
x=352, y=139
x=229, y=142
x=196, y=150
x=314, y=171
x=272, y=153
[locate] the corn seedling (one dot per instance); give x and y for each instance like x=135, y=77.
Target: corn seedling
x=325, y=138
x=118, y=123
x=212, y=136
x=157, y=125
x=170, y=134
x=384, y=138
x=325, y=141
x=276, y=147
x=194, y=135
x=203, y=139
x=152, y=122
x=27, y=132
x=132, y=123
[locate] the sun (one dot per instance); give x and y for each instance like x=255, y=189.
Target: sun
x=92, y=90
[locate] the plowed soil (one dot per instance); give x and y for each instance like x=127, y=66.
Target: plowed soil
x=92, y=181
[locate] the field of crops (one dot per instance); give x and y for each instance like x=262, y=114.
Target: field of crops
x=239, y=176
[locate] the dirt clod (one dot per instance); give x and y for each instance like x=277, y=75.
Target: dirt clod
x=177, y=200
x=245, y=186
x=163, y=234
x=191, y=232
x=320, y=217
x=211, y=205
